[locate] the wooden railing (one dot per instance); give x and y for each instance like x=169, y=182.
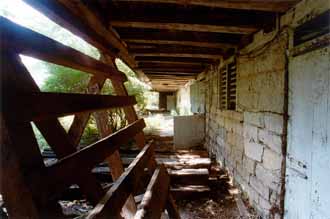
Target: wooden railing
x=29, y=188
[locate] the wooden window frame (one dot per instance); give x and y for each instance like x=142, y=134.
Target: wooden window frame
x=227, y=85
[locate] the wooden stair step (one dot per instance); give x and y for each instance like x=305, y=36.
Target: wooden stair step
x=198, y=176
x=190, y=191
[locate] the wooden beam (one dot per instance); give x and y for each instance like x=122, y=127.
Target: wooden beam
x=223, y=46
x=174, y=69
x=171, y=65
x=66, y=170
x=76, y=17
x=180, y=55
x=175, y=59
x=273, y=5
x=114, y=160
x=111, y=204
x=154, y=199
x=16, y=77
x=61, y=104
x=152, y=34
x=80, y=120
x=186, y=27
x=170, y=73
x=121, y=90
x=30, y=43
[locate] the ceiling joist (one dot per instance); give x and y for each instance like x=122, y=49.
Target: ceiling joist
x=270, y=5
x=186, y=27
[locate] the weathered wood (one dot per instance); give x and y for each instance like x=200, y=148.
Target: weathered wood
x=15, y=77
x=79, y=123
x=74, y=16
x=173, y=69
x=114, y=160
x=153, y=34
x=171, y=207
x=184, y=55
x=20, y=200
x=186, y=27
x=175, y=59
x=25, y=41
x=73, y=168
x=154, y=199
x=111, y=204
x=181, y=43
x=158, y=64
x=273, y=5
x=130, y=113
x=61, y=104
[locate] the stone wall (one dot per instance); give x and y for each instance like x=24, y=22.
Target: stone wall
x=249, y=142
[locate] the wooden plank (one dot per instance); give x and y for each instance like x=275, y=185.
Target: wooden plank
x=153, y=34
x=76, y=17
x=19, y=199
x=79, y=123
x=175, y=59
x=173, y=69
x=66, y=170
x=130, y=113
x=171, y=207
x=186, y=27
x=16, y=77
x=158, y=64
x=25, y=41
x=224, y=46
x=114, y=160
x=155, y=197
x=111, y=204
x=273, y=6
x=61, y=104
x=180, y=55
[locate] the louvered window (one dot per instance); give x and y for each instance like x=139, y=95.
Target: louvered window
x=227, y=86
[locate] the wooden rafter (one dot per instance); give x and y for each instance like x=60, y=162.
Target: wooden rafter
x=61, y=104
x=272, y=5
x=76, y=17
x=25, y=41
x=223, y=46
x=180, y=55
x=186, y=27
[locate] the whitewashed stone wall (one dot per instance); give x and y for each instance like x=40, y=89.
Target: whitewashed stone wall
x=249, y=141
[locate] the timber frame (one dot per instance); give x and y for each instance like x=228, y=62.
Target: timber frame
x=31, y=189
x=166, y=42
x=166, y=34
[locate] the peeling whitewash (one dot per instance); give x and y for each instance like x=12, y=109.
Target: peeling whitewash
x=251, y=141
x=308, y=158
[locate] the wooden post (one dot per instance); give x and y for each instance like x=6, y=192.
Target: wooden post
x=130, y=113
x=114, y=161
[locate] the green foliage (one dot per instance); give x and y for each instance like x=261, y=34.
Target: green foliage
x=65, y=80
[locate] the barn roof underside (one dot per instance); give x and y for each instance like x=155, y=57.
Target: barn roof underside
x=167, y=41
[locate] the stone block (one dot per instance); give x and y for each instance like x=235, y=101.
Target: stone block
x=274, y=122
x=272, y=179
x=264, y=205
x=255, y=119
x=253, y=150
x=252, y=195
x=270, y=139
x=272, y=160
x=259, y=187
x=249, y=165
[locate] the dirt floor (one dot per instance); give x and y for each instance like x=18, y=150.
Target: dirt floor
x=219, y=204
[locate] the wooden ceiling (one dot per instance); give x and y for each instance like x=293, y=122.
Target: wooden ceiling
x=174, y=40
